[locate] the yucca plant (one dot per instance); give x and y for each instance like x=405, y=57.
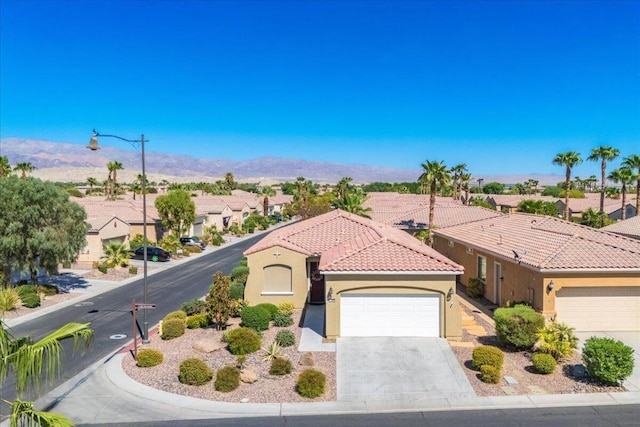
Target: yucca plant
x=557, y=339
x=272, y=352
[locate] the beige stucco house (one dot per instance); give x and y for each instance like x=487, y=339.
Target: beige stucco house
x=587, y=278
x=373, y=279
x=103, y=229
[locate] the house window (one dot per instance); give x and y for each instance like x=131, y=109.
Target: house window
x=277, y=279
x=482, y=268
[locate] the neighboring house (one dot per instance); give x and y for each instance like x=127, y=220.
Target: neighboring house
x=374, y=279
x=508, y=203
x=612, y=207
x=587, y=278
x=104, y=229
x=629, y=227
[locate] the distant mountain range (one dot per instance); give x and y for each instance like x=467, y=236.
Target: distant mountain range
x=66, y=162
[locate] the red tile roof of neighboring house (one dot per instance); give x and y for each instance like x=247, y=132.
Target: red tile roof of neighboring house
x=629, y=227
x=548, y=243
x=350, y=243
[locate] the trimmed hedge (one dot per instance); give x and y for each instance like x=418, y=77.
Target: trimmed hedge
x=31, y=300
x=544, y=363
x=172, y=328
x=475, y=287
x=24, y=290
x=280, y=366
x=489, y=374
x=256, y=318
x=149, y=357
x=194, y=371
x=286, y=308
x=487, y=355
x=195, y=306
x=311, y=383
x=272, y=309
x=607, y=360
x=236, y=291
x=240, y=274
x=227, y=379
x=197, y=321
x=178, y=314
x=243, y=341
x=282, y=320
x=517, y=327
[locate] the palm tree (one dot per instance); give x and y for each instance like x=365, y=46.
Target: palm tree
x=116, y=254
x=593, y=218
x=5, y=167
x=353, y=203
x=342, y=187
x=91, y=181
x=31, y=362
x=625, y=177
x=603, y=153
x=480, y=181
x=267, y=192
x=465, y=180
x=229, y=182
x=631, y=162
x=457, y=171
x=534, y=183
x=568, y=160
x=434, y=173
x=24, y=168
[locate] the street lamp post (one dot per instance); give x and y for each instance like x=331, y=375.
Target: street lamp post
x=135, y=143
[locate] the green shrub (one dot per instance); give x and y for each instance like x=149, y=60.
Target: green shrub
x=487, y=355
x=607, y=360
x=237, y=290
x=544, y=363
x=178, y=314
x=9, y=299
x=47, y=290
x=197, y=321
x=516, y=327
x=286, y=308
x=149, y=357
x=194, y=306
x=24, y=290
x=310, y=383
x=475, y=287
x=280, y=366
x=31, y=300
x=194, y=371
x=489, y=374
x=172, y=328
x=256, y=318
x=285, y=338
x=189, y=249
x=102, y=268
x=238, y=306
x=243, y=341
x=240, y=274
x=133, y=270
x=282, y=320
x=557, y=339
x=227, y=379
x=243, y=262
x=217, y=239
x=272, y=309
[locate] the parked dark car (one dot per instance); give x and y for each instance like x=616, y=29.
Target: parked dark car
x=192, y=241
x=153, y=254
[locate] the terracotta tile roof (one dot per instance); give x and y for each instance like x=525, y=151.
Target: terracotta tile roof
x=548, y=243
x=629, y=227
x=97, y=222
x=129, y=211
x=350, y=243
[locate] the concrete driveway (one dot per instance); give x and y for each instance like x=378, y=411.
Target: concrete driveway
x=398, y=369
x=632, y=339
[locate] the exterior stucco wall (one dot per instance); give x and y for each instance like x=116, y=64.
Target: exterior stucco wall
x=254, y=288
x=216, y=218
x=450, y=318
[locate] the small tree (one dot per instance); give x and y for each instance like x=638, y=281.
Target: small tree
x=219, y=302
x=177, y=211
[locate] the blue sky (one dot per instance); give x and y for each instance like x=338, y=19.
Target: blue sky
x=501, y=86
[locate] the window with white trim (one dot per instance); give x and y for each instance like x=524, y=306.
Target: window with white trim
x=277, y=279
x=482, y=268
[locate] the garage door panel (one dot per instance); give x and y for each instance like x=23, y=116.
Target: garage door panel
x=389, y=315
x=600, y=308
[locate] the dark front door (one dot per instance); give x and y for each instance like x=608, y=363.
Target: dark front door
x=317, y=285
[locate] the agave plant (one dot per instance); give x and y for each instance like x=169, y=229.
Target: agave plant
x=272, y=352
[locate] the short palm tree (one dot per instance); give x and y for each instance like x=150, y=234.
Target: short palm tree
x=603, y=154
x=633, y=162
x=623, y=176
x=353, y=203
x=116, y=254
x=31, y=362
x=434, y=173
x=24, y=168
x=91, y=181
x=568, y=160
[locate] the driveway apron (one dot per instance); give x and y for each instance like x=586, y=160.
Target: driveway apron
x=398, y=368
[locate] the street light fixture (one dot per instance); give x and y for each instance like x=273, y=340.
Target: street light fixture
x=135, y=143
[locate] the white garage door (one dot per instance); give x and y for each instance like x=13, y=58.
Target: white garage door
x=599, y=309
x=373, y=315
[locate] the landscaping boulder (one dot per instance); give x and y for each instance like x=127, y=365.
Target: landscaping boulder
x=248, y=376
x=208, y=346
x=307, y=359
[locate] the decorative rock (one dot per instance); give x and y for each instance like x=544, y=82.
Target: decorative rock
x=307, y=359
x=248, y=376
x=208, y=346
x=509, y=391
x=244, y=400
x=510, y=380
x=578, y=371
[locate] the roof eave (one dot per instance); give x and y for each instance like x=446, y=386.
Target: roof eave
x=389, y=273
x=589, y=270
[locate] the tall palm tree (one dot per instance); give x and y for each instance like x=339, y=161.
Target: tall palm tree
x=465, y=180
x=624, y=176
x=603, y=153
x=353, y=203
x=5, y=167
x=24, y=168
x=267, y=192
x=112, y=167
x=633, y=162
x=457, y=171
x=342, y=187
x=434, y=173
x=480, y=181
x=31, y=362
x=91, y=181
x=229, y=182
x=568, y=160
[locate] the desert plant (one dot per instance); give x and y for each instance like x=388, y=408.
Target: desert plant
x=285, y=338
x=256, y=318
x=194, y=371
x=197, y=321
x=238, y=306
x=172, y=328
x=9, y=299
x=607, y=360
x=194, y=306
x=191, y=249
x=271, y=352
x=237, y=290
x=240, y=361
x=227, y=379
x=102, y=268
x=280, y=366
x=557, y=339
x=311, y=383
x=487, y=355
x=243, y=261
x=219, y=302
x=282, y=320
x=31, y=300
x=489, y=374
x=516, y=327
x=24, y=290
x=178, y=314
x=149, y=357
x=133, y=270
x=47, y=290
x=543, y=363
x=286, y=308
x=475, y=287
x=272, y=309
x=116, y=254
x=240, y=274
x=243, y=341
